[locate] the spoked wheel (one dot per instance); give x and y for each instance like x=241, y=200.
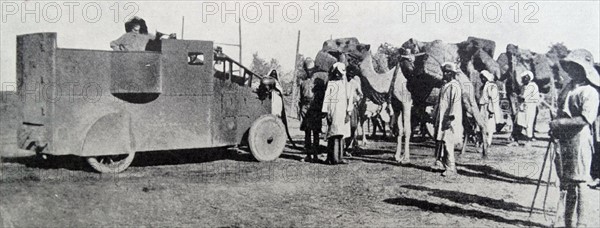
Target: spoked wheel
x=111, y=163
x=267, y=138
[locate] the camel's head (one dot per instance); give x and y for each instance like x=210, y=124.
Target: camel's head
x=411, y=58
x=412, y=63
x=347, y=50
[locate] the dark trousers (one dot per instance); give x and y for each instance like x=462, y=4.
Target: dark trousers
x=577, y=204
x=311, y=142
x=596, y=161
x=335, y=148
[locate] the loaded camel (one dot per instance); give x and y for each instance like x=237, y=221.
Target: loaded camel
x=424, y=75
x=387, y=87
x=417, y=78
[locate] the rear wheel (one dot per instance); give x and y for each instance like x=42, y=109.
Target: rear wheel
x=111, y=163
x=267, y=138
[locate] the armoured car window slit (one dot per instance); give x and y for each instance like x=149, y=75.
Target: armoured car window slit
x=195, y=58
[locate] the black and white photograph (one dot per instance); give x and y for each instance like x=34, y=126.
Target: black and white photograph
x=355, y=113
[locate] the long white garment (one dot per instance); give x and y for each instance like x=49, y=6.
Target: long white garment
x=337, y=105
x=490, y=102
x=531, y=93
x=449, y=104
x=277, y=99
x=489, y=105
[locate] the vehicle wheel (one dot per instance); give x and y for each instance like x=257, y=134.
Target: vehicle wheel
x=111, y=163
x=267, y=138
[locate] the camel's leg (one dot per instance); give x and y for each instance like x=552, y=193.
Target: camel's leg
x=399, y=156
x=469, y=101
x=363, y=119
x=407, y=128
x=374, y=121
x=383, y=129
x=362, y=132
x=484, y=131
x=464, y=145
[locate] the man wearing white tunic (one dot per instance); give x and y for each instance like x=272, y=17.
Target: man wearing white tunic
x=530, y=99
x=489, y=104
x=354, y=86
x=338, y=108
x=448, y=124
x=577, y=110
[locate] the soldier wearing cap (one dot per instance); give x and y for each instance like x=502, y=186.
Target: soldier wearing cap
x=577, y=110
x=448, y=123
x=489, y=103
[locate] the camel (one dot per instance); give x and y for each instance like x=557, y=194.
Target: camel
x=424, y=74
x=376, y=87
x=400, y=97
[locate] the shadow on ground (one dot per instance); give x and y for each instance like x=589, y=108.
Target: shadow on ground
x=465, y=199
x=454, y=210
x=485, y=171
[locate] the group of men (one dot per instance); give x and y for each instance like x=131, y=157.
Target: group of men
x=335, y=96
x=572, y=128
x=575, y=129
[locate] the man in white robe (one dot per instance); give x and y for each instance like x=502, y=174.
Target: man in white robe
x=531, y=99
x=338, y=108
x=489, y=104
x=448, y=124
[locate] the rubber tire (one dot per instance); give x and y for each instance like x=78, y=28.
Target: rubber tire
x=267, y=138
x=117, y=167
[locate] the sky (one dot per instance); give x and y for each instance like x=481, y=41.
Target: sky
x=271, y=28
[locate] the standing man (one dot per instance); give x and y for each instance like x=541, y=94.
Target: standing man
x=489, y=104
x=354, y=86
x=530, y=99
x=312, y=91
x=448, y=123
x=577, y=111
x=338, y=108
x=276, y=95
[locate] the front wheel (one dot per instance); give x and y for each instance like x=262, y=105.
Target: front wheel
x=111, y=163
x=267, y=138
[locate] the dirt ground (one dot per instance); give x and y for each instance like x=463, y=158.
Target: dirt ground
x=220, y=188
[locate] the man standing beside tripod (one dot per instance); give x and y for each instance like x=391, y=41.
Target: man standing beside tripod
x=577, y=111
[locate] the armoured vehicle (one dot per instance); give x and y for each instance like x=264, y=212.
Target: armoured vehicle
x=105, y=106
